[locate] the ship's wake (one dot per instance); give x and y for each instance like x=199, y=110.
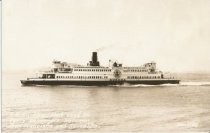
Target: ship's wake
x=194, y=83
x=167, y=85
x=142, y=85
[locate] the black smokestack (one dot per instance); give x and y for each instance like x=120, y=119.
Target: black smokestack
x=94, y=57
x=94, y=61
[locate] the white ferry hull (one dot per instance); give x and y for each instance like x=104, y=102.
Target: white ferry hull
x=93, y=74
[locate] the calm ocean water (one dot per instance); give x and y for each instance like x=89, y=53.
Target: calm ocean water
x=184, y=107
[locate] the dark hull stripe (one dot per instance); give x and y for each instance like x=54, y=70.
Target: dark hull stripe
x=98, y=83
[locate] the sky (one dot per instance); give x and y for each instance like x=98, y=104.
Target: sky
x=173, y=33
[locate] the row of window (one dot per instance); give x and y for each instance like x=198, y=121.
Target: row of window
x=94, y=70
x=78, y=67
x=133, y=67
x=143, y=77
x=138, y=70
x=83, y=77
x=108, y=70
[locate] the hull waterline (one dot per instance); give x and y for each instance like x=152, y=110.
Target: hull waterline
x=97, y=83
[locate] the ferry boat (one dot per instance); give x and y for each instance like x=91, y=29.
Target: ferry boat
x=94, y=74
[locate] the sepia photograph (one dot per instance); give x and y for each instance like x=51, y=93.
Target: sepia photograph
x=105, y=66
